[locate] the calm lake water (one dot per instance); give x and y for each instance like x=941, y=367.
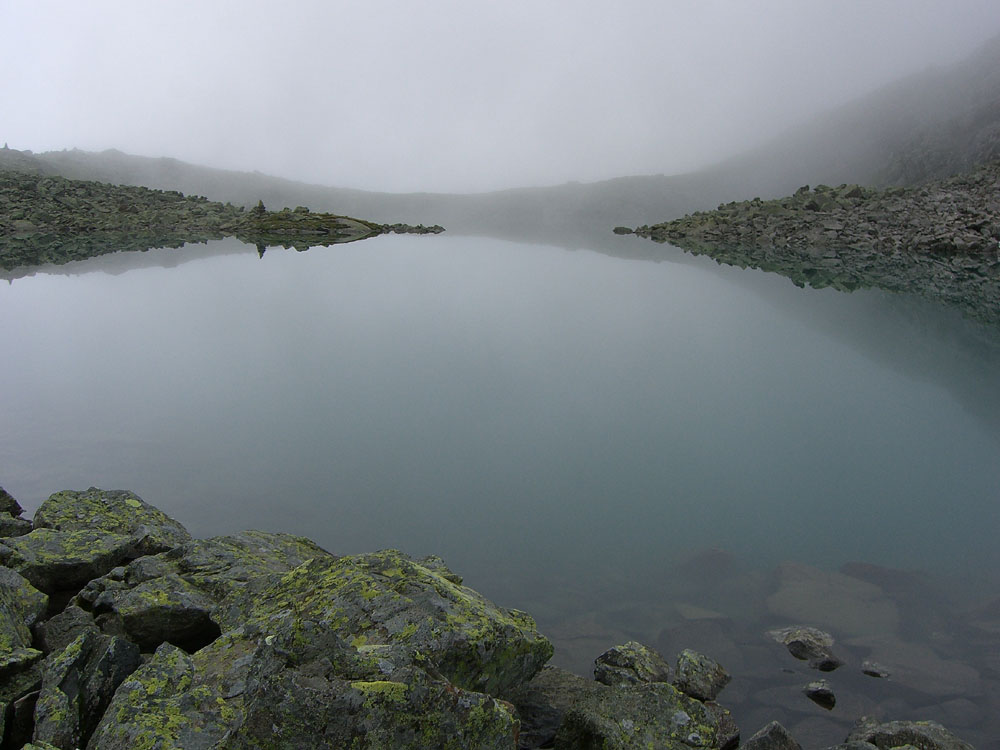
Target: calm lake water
x=581, y=436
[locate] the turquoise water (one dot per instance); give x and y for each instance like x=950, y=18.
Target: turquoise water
x=561, y=426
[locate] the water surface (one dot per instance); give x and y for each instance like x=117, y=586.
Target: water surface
x=563, y=427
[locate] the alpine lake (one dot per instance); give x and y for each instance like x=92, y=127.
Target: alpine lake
x=662, y=449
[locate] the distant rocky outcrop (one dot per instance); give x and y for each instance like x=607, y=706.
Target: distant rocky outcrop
x=940, y=240
x=51, y=219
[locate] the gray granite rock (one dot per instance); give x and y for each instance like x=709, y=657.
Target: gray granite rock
x=809, y=644
x=771, y=737
x=631, y=663
x=700, y=676
x=926, y=735
x=78, y=683
x=643, y=715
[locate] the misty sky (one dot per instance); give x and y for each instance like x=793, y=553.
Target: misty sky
x=454, y=94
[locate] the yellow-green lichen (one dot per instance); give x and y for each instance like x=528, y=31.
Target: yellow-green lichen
x=380, y=692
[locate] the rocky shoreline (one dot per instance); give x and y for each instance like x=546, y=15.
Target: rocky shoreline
x=120, y=630
x=940, y=240
x=49, y=219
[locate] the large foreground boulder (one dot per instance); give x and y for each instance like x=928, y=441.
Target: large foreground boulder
x=375, y=650
x=241, y=692
x=371, y=614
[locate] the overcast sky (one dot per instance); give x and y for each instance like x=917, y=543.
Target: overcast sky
x=454, y=94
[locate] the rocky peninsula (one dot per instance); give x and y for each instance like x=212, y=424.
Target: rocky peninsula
x=120, y=630
x=940, y=240
x=51, y=219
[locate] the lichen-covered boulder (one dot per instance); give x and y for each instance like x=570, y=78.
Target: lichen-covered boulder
x=21, y=606
x=55, y=561
x=117, y=512
x=78, y=683
x=368, y=651
x=161, y=706
x=149, y=612
x=79, y=536
x=700, y=676
x=223, y=565
x=654, y=715
x=298, y=708
x=728, y=735
x=62, y=629
x=8, y=504
x=171, y=596
x=631, y=664
x=241, y=692
x=13, y=526
x=374, y=613
x=926, y=735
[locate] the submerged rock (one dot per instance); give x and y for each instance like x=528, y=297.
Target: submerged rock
x=809, y=644
x=832, y=600
x=631, y=664
x=874, y=669
x=647, y=715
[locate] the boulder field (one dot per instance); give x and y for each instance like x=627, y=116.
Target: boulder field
x=120, y=630
x=940, y=240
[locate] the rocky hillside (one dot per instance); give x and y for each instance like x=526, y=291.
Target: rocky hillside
x=51, y=219
x=119, y=631
x=933, y=124
x=940, y=240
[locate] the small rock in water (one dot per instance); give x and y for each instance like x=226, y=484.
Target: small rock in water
x=874, y=669
x=819, y=692
x=809, y=644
